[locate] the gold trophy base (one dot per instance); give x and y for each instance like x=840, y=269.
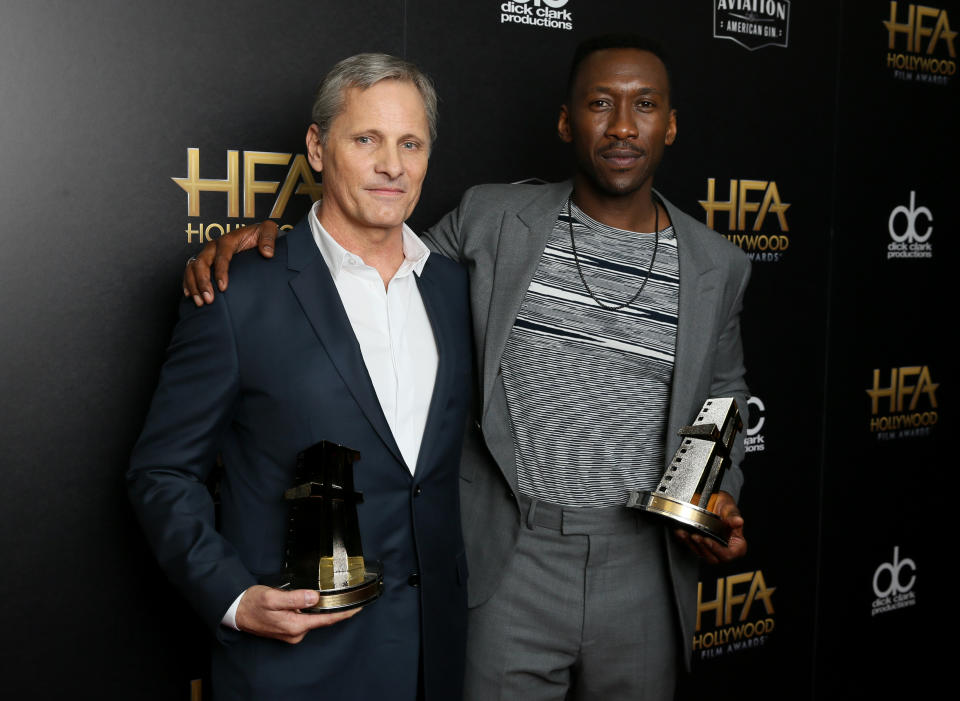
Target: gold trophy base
x=349, y=597
x=693, y=517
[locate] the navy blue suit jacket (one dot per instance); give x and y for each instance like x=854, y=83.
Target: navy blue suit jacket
x=269, y=369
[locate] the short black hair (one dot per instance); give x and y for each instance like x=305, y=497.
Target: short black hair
x=617, y=41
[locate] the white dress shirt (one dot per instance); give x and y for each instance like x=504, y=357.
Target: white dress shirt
x=395, y=337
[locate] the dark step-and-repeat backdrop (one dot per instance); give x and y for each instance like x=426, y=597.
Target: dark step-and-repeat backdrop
x=820, y=137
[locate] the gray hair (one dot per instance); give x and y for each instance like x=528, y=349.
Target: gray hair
x=362, y=71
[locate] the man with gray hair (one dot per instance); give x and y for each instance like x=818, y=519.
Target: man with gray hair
x=361, y=339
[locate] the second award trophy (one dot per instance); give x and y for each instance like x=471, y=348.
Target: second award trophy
x=687, y=489
x=323, y=549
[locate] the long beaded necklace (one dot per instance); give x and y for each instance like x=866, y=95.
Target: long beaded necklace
x=576, y=259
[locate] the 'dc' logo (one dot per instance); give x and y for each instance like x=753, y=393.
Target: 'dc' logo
x=756, y=415
x=549, y=3
x=912, y=216
x=896, y=574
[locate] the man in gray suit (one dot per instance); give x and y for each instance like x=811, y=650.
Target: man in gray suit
x=603, y=317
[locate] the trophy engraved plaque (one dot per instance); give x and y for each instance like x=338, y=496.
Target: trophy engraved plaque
x=323, y=550
x=686, y=490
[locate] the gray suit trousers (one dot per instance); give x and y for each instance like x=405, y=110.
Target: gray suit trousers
x=585, y=611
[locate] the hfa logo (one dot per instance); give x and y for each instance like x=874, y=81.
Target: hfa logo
x=751, y=204
x=910, y=228
x=548, y=14
x=737, y=596
x=298, y=181
x=753, y=442
x=920, y=43
x=753, y=24
x=910, y=409
x=893, y=583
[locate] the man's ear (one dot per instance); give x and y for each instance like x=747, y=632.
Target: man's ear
x=671, y=128
x=314, y=148
x=563, y=125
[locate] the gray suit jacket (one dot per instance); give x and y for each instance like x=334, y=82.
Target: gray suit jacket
x=499, y=233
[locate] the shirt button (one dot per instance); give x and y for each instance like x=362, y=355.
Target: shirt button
x=414, y=580
x=417, y=491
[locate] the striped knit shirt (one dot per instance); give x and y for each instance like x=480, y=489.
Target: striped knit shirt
x=588, y=388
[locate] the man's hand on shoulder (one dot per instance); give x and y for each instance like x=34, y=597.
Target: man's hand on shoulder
x=271, y=613
x=709, y=549
x=217, y=254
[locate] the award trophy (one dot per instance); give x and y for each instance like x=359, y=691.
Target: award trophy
x=323, y=549
x=686, y=488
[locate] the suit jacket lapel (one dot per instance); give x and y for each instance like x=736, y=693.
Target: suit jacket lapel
x=320, y=301
x=432, y=295
x=523, y=236
x=699, y=279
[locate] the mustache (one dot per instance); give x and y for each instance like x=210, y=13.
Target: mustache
x=623, y=146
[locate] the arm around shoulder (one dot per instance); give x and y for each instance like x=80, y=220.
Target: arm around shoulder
x=442, y=237
x=446, y=236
